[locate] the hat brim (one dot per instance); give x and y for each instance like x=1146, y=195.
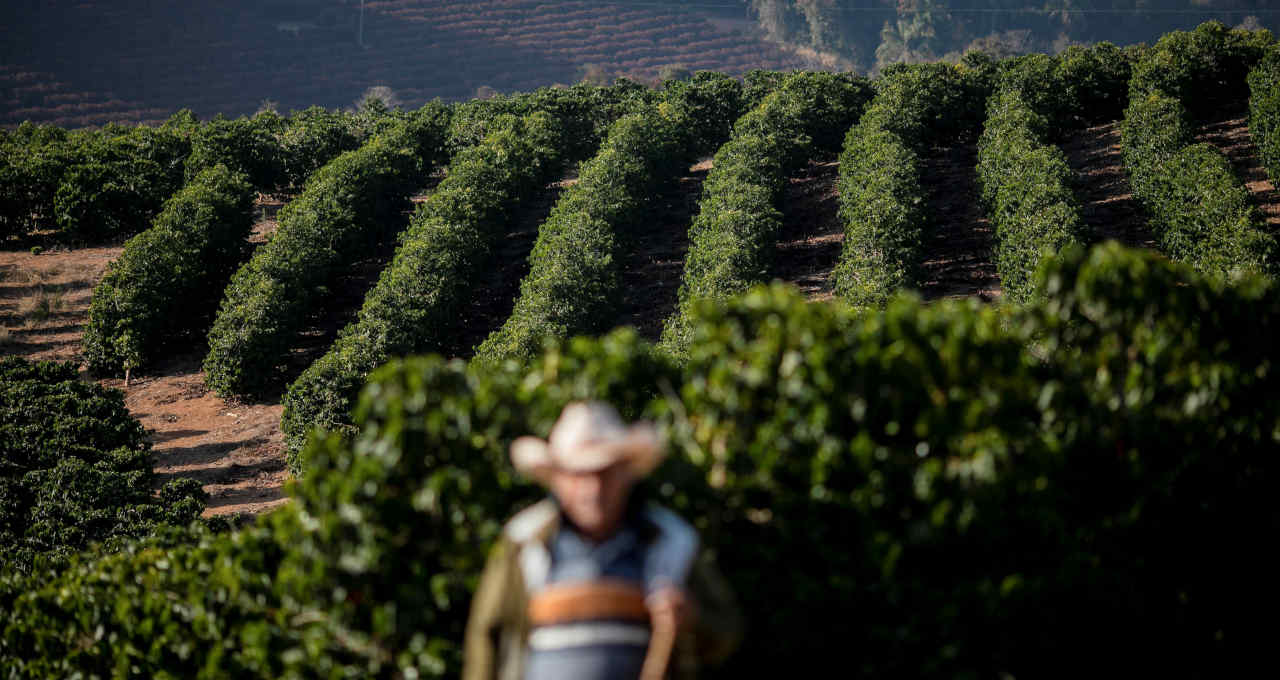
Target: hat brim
x=640, y=448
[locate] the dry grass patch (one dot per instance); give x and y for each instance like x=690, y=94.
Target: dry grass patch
x=42, y=304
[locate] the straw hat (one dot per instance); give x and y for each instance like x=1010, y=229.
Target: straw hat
x=588, y=436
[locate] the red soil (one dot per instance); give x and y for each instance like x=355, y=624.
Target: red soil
x=1230, y=135
x=652, y=272
x=958, y=258
x=812, y=234
x=233, y=449
x=1107, y=204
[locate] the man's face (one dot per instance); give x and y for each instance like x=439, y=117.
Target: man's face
x=594, y=501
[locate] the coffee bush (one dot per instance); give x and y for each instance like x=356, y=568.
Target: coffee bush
x=1264, y=111
x=1204, y=68
x=733, y=236
x=574, y=275
x=165, y=285
x=75, y=470
x=882, y=200
x=447, y=247
x=1199, y=210
x=1027, y=187
x=357, y=200
x=952, y=490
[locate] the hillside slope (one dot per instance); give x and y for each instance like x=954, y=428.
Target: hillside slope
x=76, y=63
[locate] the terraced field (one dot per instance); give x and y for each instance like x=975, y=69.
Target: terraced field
x=88, y=63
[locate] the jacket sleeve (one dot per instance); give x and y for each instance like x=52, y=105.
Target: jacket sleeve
x=719, y=625
x=489, y=615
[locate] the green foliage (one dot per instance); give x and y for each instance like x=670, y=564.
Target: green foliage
x=184, y=603
x=119, y=180
x=573, y=275
x=1203, y=215
x=166, y=284
x=989, y=490
x=246, y=145
x=1264, y=111
x=732, y=238
x=882, y=200
x=1080, y=86
x=758, y=84
x=1203, y=69
x=1094, y=81
x=706, y=106
x=1199, y=210
x=1154, y=128
x=883, y=209
x=32, y=161
x=1026, y=186
x=74, y=469
x=310, y=140
x=584, y=111
x=573, y=280
x=355, y=201
x=448, y=245
x=926, y=104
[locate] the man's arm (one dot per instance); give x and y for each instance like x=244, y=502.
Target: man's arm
x=489, y=614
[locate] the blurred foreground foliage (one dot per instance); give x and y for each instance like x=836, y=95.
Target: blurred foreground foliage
x=946, y=490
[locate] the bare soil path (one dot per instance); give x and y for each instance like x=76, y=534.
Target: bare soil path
x=492, y=301
x=652, y=271
x=812, y=235
x=1107, y=203
x=958, y=259
x=234, y=449
x=1230, y=134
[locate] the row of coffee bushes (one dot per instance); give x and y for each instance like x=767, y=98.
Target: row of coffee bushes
x=451, y=237
x=883, y=203
x=357, y=200
x=166, y=284
x=279, y=153
x=732, y=239
x=1205, y=69
x=93, y=185
x=1199, y=210
x=181, y=262
x=100, y=184
x=882, y=200
x=583, y=110
x=449, y=244
x=574, y=280
x=990, y=495
x=1264, y=111
x=1027, y=189
x=90, y=185
x=75, y=470
x=1079, y=87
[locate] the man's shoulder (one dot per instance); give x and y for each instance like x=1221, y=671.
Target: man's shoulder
x=531, y=523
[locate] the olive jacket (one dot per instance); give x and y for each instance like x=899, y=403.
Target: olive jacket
x=498, y=627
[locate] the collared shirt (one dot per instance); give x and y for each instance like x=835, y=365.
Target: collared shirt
x=602, y=639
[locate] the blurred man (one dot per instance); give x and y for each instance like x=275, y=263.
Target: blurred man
x=596, y=582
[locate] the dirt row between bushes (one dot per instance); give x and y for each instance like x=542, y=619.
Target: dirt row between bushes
x=1231, y=136
x=957, y=252
x=958, y=259
x=812, y=234
x=653, y=270
x=1107, y=203
x=234, y=449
